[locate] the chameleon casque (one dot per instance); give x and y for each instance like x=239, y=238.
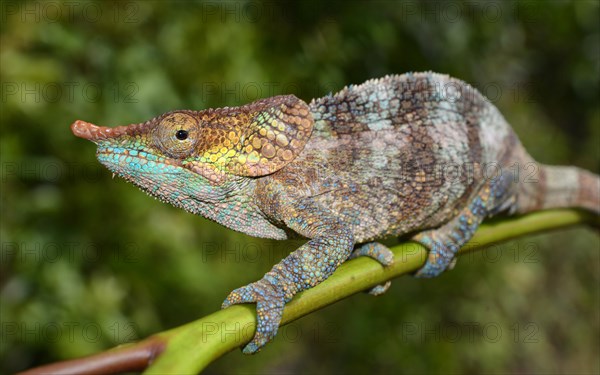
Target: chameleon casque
x=404, y=154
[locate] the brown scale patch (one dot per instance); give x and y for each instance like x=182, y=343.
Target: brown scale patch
x=469, y=176
x=538, y=196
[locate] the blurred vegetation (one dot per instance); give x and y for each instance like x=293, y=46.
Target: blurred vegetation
x=89, y=262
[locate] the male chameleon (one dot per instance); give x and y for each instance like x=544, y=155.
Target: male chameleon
x=416, y=153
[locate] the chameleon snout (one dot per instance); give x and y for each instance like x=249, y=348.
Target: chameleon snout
x=91, y=132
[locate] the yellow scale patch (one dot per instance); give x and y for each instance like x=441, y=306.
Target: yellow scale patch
x=272, y=139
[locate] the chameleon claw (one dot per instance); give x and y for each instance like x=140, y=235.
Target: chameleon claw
x=378, y=290
x=452, y=264
x=270, y=302
x=251, y=348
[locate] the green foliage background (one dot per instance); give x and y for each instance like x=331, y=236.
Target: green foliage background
x=89, y=262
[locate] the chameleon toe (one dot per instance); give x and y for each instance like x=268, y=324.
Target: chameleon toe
x=376, y=251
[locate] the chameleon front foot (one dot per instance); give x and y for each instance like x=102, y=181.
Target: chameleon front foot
x=381, y=254
x=270, y=301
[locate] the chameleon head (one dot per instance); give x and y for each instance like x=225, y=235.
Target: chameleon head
x=186, y=156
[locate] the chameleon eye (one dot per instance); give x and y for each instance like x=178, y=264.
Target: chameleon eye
x=181, y=135
x=177, y=135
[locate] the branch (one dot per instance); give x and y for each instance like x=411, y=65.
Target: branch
x=193, y=346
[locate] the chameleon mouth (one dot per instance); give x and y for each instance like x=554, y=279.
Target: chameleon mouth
x=130, y=159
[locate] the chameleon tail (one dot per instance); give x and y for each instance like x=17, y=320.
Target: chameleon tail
x=558, y=187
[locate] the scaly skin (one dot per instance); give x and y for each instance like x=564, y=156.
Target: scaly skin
x=402, y=154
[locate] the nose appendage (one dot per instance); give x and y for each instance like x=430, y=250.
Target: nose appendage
x=91, y=132
x=85, y=130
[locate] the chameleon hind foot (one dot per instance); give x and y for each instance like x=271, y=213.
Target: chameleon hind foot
x=444, y=242
x=442, y=252
x=381, y=254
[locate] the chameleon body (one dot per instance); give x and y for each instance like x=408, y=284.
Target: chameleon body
x=421, y=154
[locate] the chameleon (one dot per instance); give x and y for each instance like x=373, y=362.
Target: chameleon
x=422, y=155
